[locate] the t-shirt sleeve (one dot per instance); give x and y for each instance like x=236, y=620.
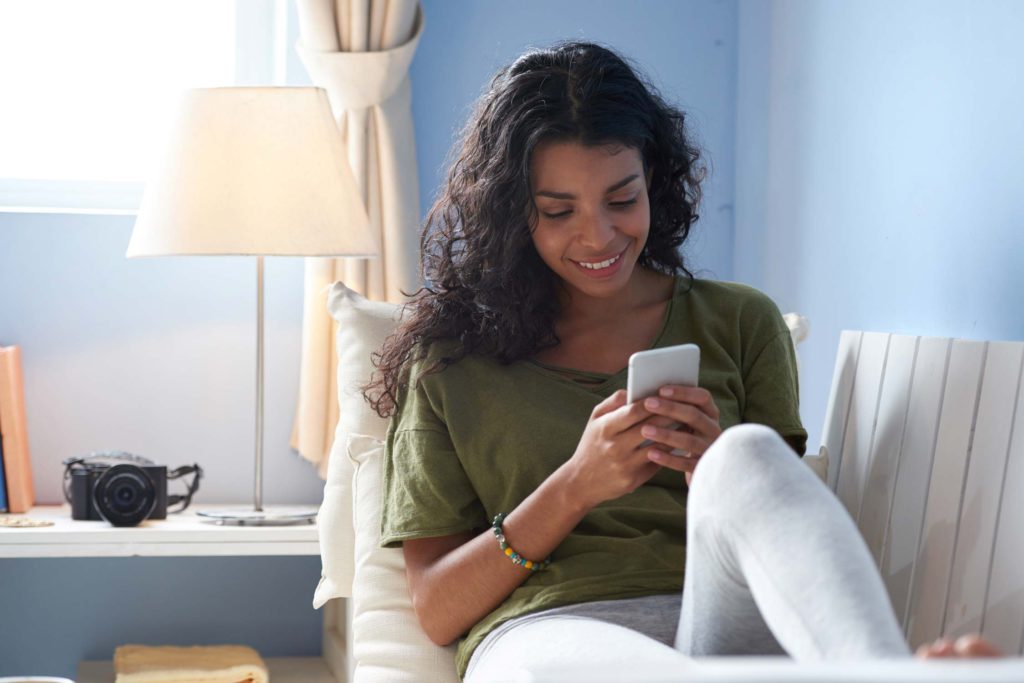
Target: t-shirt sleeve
x=426, y=491
x=772, y=389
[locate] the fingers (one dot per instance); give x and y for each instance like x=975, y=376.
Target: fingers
x=686, y=422
x=620, y=417
x=679, y=463
x=697, y=396
x=674, y=439
x=689, y=414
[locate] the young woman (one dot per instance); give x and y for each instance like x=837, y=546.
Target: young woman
x=516, y=480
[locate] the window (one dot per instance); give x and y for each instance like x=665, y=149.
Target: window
x=87, y=89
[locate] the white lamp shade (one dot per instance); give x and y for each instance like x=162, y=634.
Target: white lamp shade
x=253, y=171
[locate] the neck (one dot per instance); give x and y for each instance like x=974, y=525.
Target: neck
x=643, y=288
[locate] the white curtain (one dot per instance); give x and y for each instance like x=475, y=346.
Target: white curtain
x=359, y=51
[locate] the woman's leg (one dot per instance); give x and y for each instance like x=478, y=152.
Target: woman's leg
x=774, y=563
x=541, y=642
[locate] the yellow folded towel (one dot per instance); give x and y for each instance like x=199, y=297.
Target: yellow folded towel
x=196, y=664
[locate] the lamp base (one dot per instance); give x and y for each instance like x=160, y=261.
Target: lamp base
x=269, y=516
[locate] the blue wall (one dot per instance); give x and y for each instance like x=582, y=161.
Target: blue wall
x=879, y=183
x=156, y=355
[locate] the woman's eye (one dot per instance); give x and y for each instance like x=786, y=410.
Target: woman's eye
x=616, y=205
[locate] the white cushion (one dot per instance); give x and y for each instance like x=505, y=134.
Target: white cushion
x=363, y=325
x=388, y=642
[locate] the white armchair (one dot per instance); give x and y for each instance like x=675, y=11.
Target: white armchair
x=896, y=450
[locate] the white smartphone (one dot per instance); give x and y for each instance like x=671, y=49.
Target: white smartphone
x=652, y=369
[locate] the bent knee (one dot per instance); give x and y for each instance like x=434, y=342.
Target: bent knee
x=741, y=447
x=742, y=454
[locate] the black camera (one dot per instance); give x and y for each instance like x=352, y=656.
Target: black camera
x=125, y=489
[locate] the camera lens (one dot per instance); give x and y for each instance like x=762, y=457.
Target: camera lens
x=125, y=495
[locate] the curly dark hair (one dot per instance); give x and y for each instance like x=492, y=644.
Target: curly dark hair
x=487, y=287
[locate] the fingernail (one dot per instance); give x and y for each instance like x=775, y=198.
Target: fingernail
x=665, y=392
x=652, y=403
x=648, y=431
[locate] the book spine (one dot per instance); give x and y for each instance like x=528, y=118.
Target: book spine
x=17, y=461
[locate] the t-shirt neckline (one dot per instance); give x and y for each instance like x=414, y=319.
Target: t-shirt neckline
x=562, y=371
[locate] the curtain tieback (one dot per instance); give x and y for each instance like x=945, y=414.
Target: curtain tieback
x=356, y=80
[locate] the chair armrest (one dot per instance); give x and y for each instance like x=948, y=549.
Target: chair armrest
x=819, y=463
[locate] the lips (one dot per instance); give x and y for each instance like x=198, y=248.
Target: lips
x=605, y=272
x=599, y=259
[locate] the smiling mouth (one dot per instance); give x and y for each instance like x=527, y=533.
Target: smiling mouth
x=600, y=265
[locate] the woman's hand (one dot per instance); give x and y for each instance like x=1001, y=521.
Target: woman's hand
x=609, y=462
x=695, y=409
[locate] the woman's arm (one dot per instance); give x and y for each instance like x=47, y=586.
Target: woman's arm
x=458, y=579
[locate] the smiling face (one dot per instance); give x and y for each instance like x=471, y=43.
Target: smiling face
x=593, y=214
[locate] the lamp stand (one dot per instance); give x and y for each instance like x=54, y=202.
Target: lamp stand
x=257, y=516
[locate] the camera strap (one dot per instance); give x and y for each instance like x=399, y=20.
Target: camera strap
x=185, y=499
x=197, y=472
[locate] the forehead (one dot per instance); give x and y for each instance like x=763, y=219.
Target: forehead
x=561, y=166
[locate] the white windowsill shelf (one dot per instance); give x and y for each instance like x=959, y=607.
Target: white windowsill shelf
x=180, y=535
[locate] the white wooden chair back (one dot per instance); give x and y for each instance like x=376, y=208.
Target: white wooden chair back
x=924, y=445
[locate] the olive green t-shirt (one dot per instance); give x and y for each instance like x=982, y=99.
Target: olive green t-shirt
x=479, y=437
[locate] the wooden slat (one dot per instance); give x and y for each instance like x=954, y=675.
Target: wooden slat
x=980, y=507
x=887, y=443
x=860, y=421
x=1004, y=605
x=930, y=582
x=902, y=540
x=839, y=401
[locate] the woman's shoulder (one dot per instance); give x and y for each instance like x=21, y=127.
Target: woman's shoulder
x=443, y=363
x=730, y=295
x=733, y=311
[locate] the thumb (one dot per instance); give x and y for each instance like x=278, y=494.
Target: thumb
x=616, y=400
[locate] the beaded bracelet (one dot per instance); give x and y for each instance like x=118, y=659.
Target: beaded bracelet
x=512, y=554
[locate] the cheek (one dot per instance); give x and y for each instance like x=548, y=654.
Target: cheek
x=543, y=243
x=548, y=246
x=639, y=222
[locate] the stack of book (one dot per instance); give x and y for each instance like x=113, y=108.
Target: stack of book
x=16, y=492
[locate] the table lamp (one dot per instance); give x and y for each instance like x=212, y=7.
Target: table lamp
x=254, y=172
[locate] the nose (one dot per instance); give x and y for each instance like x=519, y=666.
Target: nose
x=596, y=231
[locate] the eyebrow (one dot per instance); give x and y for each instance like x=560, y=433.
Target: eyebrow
x=569, y=195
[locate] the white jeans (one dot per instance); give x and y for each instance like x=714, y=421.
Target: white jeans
x=774, y=565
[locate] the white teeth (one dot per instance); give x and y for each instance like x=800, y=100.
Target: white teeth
x=602, y=264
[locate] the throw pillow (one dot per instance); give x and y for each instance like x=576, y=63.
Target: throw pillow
x=363, y=325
